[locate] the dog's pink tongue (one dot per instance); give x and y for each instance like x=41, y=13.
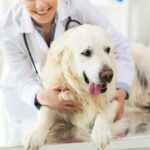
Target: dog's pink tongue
x=94, y=89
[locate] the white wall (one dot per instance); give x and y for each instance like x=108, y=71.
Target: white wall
x=5, y=5
x=116, y=12
x=132, y=18
x=1, y=63
x=139, y=21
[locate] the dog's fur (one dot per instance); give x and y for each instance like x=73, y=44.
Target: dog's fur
x=74, y=64
x=137, y=108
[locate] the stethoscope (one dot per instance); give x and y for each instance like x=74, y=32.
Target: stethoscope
x=70, y=20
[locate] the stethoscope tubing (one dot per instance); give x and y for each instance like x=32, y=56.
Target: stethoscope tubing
x=69, y=21
x=31, y=58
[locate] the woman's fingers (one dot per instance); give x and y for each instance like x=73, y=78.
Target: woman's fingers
x=70, y=102
x=74, y=104
x=71, y=106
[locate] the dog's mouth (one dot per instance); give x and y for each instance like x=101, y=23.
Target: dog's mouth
x=95, y=89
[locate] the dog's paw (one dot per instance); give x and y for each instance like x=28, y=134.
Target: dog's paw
x=101, y=136
x=67, y=95
x=34, y=139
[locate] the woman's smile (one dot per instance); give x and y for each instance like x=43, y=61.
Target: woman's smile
x=42, y=12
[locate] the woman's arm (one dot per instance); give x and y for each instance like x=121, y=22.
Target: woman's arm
x=22, y=77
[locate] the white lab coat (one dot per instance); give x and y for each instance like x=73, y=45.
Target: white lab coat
x=19, y=80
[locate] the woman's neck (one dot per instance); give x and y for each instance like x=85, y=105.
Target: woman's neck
x=44, y=27
x=47, y=34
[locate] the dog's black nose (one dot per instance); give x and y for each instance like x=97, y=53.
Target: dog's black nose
x=106, y=75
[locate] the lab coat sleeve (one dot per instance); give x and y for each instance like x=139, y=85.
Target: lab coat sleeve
x=22, y=76
x=122, y=50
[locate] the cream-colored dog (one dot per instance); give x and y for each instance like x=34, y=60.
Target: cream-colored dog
x=82, y=61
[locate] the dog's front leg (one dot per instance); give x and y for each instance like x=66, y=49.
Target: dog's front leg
x=101, y=133
x=36, y=136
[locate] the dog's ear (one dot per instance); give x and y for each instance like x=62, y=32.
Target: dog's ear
x=58, y=61
x=56, y=53
x=60, y=46
x=57, y=66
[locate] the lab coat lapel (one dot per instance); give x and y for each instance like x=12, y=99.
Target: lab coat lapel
x=59, y=29
x=41, y=44
x=38, y=49
x=63, y=13
x=25, y=25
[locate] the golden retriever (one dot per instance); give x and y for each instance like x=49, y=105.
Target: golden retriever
x=82, y=62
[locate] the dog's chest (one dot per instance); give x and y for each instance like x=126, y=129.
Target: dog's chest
x=86, y=117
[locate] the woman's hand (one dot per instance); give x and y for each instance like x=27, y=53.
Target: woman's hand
x=121, y=100
x=49, y=97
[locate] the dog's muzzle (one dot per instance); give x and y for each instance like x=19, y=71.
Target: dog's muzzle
x=105, y=76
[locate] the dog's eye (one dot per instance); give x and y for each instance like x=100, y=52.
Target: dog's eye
x=107, y=50
x=87, y=53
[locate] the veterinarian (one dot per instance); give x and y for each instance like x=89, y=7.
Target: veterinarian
x=26, y=33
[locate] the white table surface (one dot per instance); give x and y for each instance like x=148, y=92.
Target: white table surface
x=136, y=143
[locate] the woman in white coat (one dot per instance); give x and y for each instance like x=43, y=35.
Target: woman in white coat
x=32, y=25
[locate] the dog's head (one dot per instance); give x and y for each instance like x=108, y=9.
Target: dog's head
x=88, y=59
